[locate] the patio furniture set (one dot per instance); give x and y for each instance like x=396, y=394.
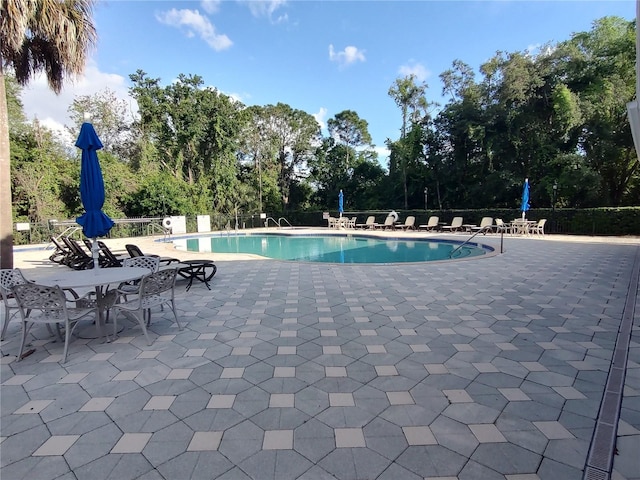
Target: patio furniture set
x=133, y=286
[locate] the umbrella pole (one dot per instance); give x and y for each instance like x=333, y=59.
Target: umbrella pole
x=94, y=253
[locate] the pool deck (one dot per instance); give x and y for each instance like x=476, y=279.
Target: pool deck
x=486, y=368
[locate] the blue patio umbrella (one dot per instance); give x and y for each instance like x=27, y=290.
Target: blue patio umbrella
x=525, y=198
x=94, y=222
x=340, y=202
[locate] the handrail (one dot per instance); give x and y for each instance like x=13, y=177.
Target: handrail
x=166, y=232
x=286, y=221
x=481, y=230
x=266, y=223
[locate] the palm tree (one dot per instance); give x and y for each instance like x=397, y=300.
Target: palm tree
x=53, y=36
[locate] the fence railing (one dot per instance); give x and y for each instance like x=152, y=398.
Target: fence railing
x=595, y=221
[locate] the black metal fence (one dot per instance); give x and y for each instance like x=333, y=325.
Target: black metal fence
x=596, y=221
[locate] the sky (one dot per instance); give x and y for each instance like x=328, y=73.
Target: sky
x=322, y=57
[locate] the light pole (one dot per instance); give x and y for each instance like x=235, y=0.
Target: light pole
x=426, y=196
x=553, y=205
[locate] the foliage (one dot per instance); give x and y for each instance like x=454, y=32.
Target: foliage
x=557, y=116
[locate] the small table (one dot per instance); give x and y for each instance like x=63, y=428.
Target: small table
x=98, y=278
x=203, y=270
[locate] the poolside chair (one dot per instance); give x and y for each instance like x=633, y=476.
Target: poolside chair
x=78, y=258
x=156, y=289
x=43, y=305
x=456, y=224
x=106, y=257
x=432, y=224
x=538, y=229
x=485, y=225
x=370, y=223
x=409, y=223
x=351, y=223
x=8, y=278
x=134, y=251
x=502, y=227
x=389, y=223
x=61, y=254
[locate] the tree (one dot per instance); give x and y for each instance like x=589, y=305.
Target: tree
x=37, y=35
x=351, y=130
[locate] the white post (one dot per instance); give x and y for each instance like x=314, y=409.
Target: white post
x=94, y=253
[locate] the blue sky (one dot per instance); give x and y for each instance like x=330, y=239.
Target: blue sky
x=322, y=57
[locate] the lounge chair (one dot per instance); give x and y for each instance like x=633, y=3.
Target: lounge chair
x=134, y=251
x=432, y=224
x=409, y=223
x=485, y=225
x=107, y=258
x=456, y=224
x=389, y=223
x=370, y=223
x=78, y=259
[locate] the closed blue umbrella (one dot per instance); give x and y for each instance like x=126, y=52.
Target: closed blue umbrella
x=95, y=223
x=525, y=198
x=340, y=203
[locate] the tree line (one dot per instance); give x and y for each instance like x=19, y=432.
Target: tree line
x=557, y=117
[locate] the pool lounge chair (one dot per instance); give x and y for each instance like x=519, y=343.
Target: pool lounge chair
x=456, y=224
x=370, y=223
x=409, y=223
x=485, y=225
x=388, y=223
x=134, y=251
x=432, y=224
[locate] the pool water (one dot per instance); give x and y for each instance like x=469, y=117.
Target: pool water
x=332, y=248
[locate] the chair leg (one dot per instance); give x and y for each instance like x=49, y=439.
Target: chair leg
x=173, y=309
x=140, y=317
x=25, y=331
x=7, y=318
x=67, y=335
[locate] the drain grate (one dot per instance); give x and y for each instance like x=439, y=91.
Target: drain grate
x=600, y=458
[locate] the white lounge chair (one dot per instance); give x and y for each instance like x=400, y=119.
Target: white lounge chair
x=432, y=224
x=484, y=224
x=409, y=223
x=456, y=224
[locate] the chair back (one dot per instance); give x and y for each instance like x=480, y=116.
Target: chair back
x=133, y=250
x=433, y=221
x=486, y=222
x=389, y=221
x=144, y=261
x=410, y=221
x=456, y=222
x=371, y=219
x=8, y=278
x=158, y=282
x=31, y=296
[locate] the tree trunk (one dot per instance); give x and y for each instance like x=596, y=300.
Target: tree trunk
x=6, y=216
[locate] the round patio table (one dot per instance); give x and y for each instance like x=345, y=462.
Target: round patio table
x=97, y=278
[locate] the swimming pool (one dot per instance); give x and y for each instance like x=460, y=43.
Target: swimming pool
x=333, y=248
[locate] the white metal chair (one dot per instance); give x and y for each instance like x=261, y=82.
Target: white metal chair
x=43, y=305
x=156, y=289
x=144, y=261
x=8, y=278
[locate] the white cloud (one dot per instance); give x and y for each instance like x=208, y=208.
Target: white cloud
x=347, y=56
x=211, y=6
x=39, y=102
x=320, y=117
x=195, y=24
x=267, y=8
x=415, y=68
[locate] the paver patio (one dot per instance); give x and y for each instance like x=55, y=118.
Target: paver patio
x=482, y=369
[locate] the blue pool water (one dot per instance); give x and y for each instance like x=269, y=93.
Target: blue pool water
x=332, y=248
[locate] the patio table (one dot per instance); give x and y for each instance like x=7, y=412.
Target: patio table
x=96, y=278
x=522, y=227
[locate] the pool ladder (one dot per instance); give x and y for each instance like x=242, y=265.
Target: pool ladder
x=278, y=223
x=482, y=230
